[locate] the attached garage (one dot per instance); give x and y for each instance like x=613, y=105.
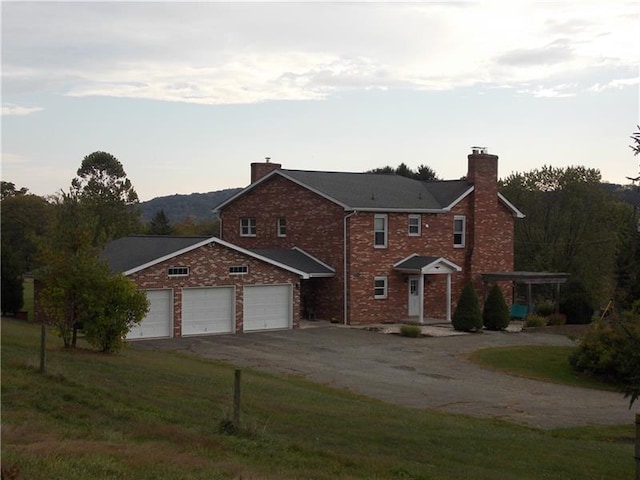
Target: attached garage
x=158, y=322
x=267, y=307
x=208, y=310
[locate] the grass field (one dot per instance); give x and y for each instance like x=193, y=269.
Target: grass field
x=156, y=415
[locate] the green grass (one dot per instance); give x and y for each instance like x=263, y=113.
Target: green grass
x=156, y=415
x=546, y=363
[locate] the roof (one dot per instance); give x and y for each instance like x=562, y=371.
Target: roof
x=131, y=254
x=526, y=277
x=376, y=192
x=421, y=264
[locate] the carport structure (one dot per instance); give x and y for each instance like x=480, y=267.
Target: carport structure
x=529, y=279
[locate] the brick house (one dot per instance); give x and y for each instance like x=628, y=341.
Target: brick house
x=400, y=248
x=203, y=285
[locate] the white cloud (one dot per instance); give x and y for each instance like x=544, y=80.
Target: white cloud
x=12, y=158
x=618, y=83
x=11, y=109
x=225, y=53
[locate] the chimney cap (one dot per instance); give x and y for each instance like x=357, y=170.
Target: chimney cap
x=267, y=159
x=479, y=150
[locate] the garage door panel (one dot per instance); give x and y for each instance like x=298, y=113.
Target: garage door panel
x=266, y=307
x=157, y=323
x=208, y=310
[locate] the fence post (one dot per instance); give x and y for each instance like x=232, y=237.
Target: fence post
x=43, y=349
x=236, y=401
x=637, y=446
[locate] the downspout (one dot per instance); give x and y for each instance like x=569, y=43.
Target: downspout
x=344, y=266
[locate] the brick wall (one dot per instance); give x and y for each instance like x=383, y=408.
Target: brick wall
x=209, y=267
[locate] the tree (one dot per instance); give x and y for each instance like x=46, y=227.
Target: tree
x=102, y=185
x=495, y=314
x=423, y=172
x=159, y=224
x=426, y=174
x=8, y=189
x=467, y=316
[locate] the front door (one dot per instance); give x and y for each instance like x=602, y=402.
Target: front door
x=414, y=296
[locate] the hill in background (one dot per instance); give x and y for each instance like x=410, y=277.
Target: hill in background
x=196, y=206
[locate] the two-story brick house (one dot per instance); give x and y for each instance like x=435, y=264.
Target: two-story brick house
x=399, y=247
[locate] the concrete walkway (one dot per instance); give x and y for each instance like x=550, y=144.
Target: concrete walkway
x=428, y=372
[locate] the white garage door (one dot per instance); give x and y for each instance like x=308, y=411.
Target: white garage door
x=207, y=310
x=267, y=307
x=157, y=323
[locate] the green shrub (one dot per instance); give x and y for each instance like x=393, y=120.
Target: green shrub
x=467, y=316
x=545, y=309
x=611, y=350
x=576, y=303
x=495, y=314
x=556, y=319
x=534, y=321
x=412, y=331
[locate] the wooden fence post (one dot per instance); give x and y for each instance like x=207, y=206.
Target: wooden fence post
x=236, y=401
x=43, y=349
x=637, y=446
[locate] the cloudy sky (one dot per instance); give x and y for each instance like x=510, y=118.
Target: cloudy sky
x=187, y=95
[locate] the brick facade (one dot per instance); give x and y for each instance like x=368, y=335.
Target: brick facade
x=209, y=267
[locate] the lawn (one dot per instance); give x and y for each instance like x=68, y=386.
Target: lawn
x=156, y=415
x=545, y=363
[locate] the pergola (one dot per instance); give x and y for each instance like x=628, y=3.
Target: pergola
x=529, y=279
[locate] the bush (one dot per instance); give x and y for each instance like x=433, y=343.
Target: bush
x=412, y=331
x=468, y=316
x=534, y=321
x=556, y=319
x=611, y=350
x=495, y=314
x=545, y=309
x=576, y=303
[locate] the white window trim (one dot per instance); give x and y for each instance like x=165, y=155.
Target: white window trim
x=385, y=219
x=385, y=288
x=419, y=232
x=281, y=222
x=463, y=232
x=251, y=222
x=186, y=274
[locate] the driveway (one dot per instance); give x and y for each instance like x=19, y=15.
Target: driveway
x=428, y=373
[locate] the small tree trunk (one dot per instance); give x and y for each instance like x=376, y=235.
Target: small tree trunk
x=43, y=349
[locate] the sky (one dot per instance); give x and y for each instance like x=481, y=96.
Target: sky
x=188, y=95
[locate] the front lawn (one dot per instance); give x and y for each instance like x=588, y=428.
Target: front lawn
x=151, y=415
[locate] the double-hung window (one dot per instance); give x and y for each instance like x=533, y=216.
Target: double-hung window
x=459, y=230
x=380, y=287
x=414, y=225
x=282, y=227
x=380, y=231
x=247, y=227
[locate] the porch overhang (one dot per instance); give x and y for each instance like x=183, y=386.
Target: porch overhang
x=417, y=264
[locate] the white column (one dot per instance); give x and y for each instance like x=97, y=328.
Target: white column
x=421, y=296
x=448, y=297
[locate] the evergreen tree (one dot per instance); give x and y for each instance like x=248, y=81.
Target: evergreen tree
x=495, y=314
x=467, y=316
x=159, y=224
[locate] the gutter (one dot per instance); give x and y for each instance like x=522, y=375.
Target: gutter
x=344, y=267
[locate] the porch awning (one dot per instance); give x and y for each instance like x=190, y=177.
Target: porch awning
x=418, y=264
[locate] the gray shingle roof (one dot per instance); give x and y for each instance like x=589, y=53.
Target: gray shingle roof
x=129, y=252
x=296, y=259
x=380, y=192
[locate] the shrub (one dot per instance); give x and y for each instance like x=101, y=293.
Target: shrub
x=412, y=331
x=556, y=319
x=575, y=303
x=468, y=316
x=495, y=314
x=545, y=309
x=611, y=350
x=534, y=321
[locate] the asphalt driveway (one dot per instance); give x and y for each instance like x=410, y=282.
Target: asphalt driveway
x=429, y=373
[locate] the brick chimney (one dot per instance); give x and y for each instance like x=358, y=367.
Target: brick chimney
x=261, y=169
x=482, y=172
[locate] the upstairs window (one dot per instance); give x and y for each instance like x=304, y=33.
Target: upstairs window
x=380, y=231
x=414, y=225
x=459, y=231
x=178, y=271
x=238, y=270
x=282, y=227
x=380, y=287
x=247, y=227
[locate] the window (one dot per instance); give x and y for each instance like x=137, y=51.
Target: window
x=178, y=271
x=282, y=227
x=380, y=231
x=247, y=227
x=380, y=287
x=238, y=270
x=414, y=225
x=459, y=226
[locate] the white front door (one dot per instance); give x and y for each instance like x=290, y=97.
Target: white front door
x=414, y=296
